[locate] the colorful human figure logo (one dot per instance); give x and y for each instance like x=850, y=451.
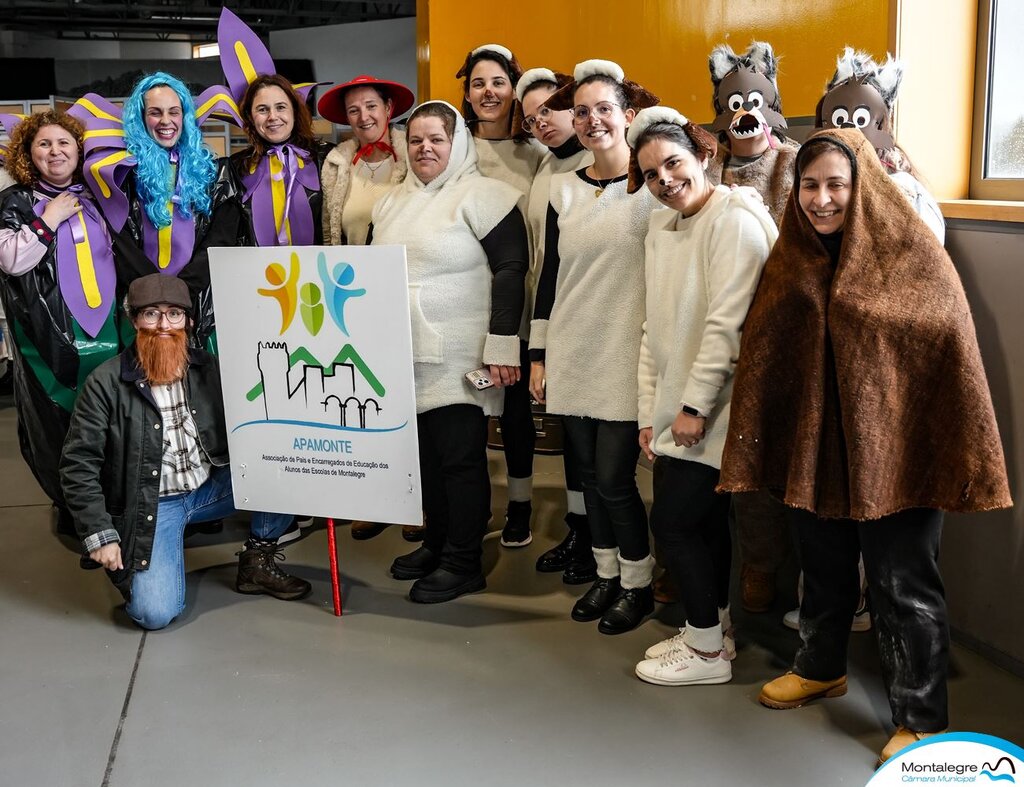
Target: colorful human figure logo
x=283, y=289
x=335, y=293
x=311, y=307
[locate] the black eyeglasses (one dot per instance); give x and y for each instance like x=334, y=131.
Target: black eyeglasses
x=175, y=316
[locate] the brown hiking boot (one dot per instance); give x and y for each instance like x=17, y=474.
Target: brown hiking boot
x=259, y=573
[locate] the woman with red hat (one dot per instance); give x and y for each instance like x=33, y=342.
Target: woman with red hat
x=361, y=170
x=357, y=173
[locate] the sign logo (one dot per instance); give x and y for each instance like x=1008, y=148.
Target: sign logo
x=954, y=758
x=298, y=388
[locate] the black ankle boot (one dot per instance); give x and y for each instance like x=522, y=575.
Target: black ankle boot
x=415, y=565
x=581, y=568
x=444, y=585
x=595, y=602
x=516, y=532
x=557, y=558
x=628, y=611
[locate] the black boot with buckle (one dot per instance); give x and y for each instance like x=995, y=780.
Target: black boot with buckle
x=259, y=573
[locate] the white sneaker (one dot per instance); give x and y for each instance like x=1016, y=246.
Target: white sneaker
x=291, y=534
x=683, y=667
x=861, y=619
x=666, y=646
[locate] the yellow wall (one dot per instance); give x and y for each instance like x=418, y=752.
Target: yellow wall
x=663, y=44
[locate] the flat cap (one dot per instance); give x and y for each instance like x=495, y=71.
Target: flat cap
x=158, y=288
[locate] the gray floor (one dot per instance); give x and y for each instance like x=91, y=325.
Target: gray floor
x=499, y=688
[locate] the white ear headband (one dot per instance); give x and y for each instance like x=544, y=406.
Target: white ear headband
x=531, y=78
x=646, y=118
x=505, y=52
x=607, y=68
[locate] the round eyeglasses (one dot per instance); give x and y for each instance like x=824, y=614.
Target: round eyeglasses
x=174, y=316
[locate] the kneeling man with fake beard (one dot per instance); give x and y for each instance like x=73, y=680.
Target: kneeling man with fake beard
x=147, y=454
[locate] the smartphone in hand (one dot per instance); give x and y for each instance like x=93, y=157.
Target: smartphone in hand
x=480, y=378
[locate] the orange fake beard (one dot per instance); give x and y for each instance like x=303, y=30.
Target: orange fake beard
x=162, y=358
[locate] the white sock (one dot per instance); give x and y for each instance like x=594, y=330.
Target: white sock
x=707, y=640
x=575, y=502
x=520, y=490
x=607, y=562
x=636, y=573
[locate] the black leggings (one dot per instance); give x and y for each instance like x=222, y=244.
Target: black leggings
x=901, y=562
x=607, y=452
x=518, y=434
x=691, y=530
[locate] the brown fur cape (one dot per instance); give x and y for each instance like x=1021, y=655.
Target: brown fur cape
x=860, y=389
x=771, y=175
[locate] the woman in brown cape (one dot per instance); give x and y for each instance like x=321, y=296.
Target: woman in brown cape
x=862, y=403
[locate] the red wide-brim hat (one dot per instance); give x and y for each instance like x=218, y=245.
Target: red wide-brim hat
x=332, y=103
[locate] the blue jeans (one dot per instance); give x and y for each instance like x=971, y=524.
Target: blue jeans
x=158, y=593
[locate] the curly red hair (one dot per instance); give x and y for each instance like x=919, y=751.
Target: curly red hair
x=19, y=153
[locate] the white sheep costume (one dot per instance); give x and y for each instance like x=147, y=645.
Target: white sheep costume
x=592, y=336
x=540, y=190
x=701, y=274
x=441, y=225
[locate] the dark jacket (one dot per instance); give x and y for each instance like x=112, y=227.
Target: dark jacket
x=52, y=355
x=110, y=468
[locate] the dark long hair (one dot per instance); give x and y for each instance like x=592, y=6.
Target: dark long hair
x=302, y=133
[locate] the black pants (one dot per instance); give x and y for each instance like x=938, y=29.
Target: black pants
x=571, y=465
x=901, y=562
x=607, y=452
x=518, y=434
x=691, y=530
x=456, y=484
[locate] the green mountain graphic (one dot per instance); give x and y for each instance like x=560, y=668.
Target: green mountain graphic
x=347, y=354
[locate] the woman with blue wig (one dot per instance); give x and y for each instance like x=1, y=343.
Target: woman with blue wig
x=168, y=200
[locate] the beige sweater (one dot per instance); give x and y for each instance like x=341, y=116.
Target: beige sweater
x=336, y=179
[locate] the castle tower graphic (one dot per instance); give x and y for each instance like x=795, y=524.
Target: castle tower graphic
x=306, y=391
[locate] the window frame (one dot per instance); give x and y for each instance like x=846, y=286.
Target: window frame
x=982, y=187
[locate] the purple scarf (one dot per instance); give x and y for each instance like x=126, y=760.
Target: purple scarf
x=279, y=216
x=85, y=260
x=170, y=248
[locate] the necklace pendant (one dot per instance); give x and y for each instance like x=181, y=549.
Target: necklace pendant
x=598, y=192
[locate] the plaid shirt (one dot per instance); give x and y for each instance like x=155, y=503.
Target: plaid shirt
x=184, y=467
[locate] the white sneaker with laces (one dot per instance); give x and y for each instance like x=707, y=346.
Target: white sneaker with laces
x=666, y=646
x=684, y=667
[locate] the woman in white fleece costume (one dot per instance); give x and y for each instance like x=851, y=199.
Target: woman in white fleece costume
x=467, y=253
x=573, y=557
x=585, y=336
x=505, y=152
x=704, y=256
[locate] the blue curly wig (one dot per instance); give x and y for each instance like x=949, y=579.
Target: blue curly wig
x=196, y=166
